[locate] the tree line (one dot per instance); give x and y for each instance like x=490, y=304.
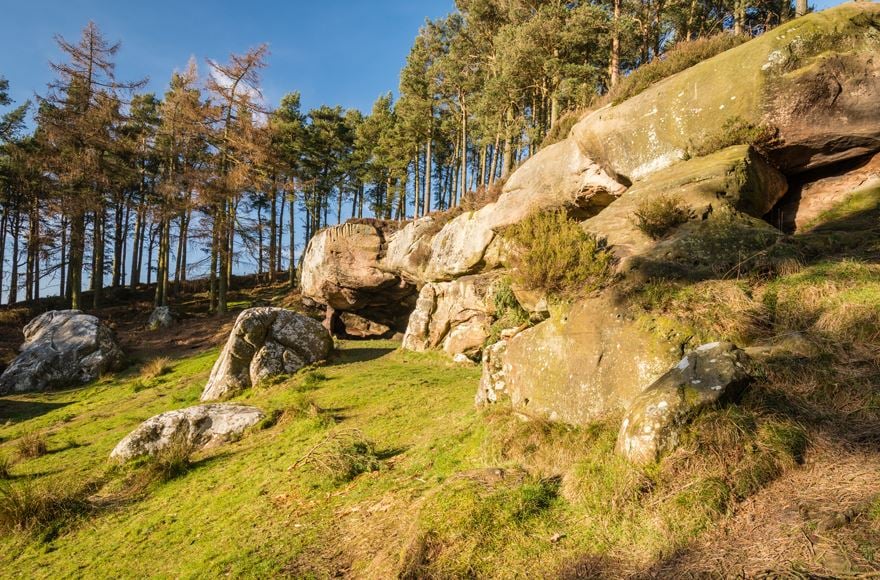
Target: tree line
x=123, y=185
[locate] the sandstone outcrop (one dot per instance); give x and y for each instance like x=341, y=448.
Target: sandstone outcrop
x=62, y=348
x=198, y=427
x=454, y=316
x=707, y=375
x=735, y=180
x=815, y=79
x=585, y=362
x=265, y=342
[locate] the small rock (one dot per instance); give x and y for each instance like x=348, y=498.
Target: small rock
x=61, y=348
x=704, y=377
x=266, y=342
x=556, y=537
x=202, y=426
x=161, y=317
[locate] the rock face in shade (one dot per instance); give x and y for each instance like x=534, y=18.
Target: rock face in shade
x=200, y=427
x=705, y=376
x=266, y=342
x=455, y=316
x=62, y=348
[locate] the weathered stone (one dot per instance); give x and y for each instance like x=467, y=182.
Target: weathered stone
x=409, y=250
x=266, y=342
x=815, y=79
x=201, y=427
x=455, y=316
x=161, y=317
x=586, y=361
x=62, y=348
x=341, y=269
x=710, y=374
x=493, y=382
x=734, y=179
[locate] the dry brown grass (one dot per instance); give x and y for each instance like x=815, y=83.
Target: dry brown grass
x=156, y=368
x=45, y=507
x=31, y=445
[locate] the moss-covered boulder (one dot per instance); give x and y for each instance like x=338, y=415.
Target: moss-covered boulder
x=705, y=376
x=733, y=181
x=586, y=361
x=815, y=79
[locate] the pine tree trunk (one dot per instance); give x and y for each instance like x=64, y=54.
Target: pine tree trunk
x=273, y=216
x=464, y=147
x=291, y=250
x=212, y=273
x=62, y=270
x=13, y=270
x=417, y=194
x=75, y=264
x=428, y=161
x=223, y=259
x=614, y=72
x=117, y=245
x=800, y=8
x=3, y=222
x=279, y=245
x=98, y=260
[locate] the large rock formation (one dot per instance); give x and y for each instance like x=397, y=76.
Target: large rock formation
x=815, y=79
x=62, y=348
x=455, y=316
x=586, y=361
x=265, y=342
x=710, y=374
x=198, y=427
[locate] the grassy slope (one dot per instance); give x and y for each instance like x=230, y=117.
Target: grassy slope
x=239, y=510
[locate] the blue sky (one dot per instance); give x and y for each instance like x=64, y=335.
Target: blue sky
x=344, y=52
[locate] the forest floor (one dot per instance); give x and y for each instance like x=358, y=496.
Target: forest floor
x=450, y=490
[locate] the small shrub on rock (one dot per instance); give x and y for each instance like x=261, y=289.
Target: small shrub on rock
x=658, y=216
x=556, y=256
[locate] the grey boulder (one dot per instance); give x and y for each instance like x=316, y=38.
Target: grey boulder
x=62, y=348
x=706, y=376
x=200, y=427
x=266, y=342
x=161, y=317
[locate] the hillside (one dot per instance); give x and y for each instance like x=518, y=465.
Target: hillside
x=652, y=352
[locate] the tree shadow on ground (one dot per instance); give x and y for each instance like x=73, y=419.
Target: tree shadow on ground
x=18, y=411
x=358, y=354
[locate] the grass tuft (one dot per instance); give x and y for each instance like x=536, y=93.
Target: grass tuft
x=156, y=368
x=31, y=445
x=46, y=508
x=5, y=467
x=342, y=456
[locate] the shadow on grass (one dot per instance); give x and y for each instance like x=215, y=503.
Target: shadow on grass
x=360, y=354
x=18, y=411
